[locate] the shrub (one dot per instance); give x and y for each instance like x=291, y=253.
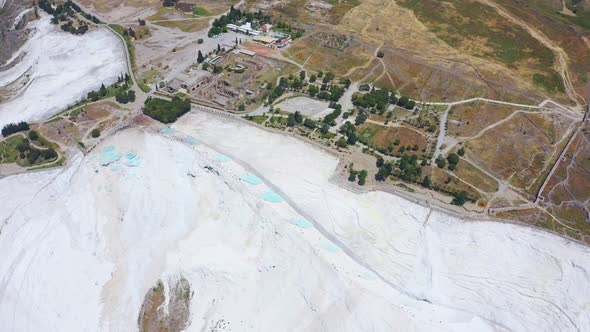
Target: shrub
x=33, y=135
x=440, y=162
x=459, y=198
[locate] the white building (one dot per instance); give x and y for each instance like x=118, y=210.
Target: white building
x=244, y=28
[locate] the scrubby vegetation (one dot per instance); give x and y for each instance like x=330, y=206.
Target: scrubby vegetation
x=551, y=83
x=166, y=111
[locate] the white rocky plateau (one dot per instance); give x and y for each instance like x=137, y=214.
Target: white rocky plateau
x=82, y=245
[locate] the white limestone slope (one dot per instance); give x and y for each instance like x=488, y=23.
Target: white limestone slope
x=62, y=68
x=517, y=277
x=81, y=246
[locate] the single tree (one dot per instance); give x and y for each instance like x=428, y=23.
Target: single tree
x=33, y=135
x=427, y=183
x=362, y=177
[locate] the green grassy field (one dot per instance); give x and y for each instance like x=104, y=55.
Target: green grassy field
x=200, y=11
x=8, y=151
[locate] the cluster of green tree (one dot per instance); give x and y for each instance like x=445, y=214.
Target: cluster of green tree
x=452, y=159
x=63, y=13
x=288, y=29
x=440, y=162
x=280, y=121
x=33, y=154
x=129, y=32
x=95, y=133
x=166, y=111
x=424, y=120
x=376, y=98
x=379, y=99
x=362, y=175
x=123, y=78
x=217, y=69
x=332, y=92
x=325, y=92
x=141, y=22
x=170, y=3
x=361, y=118
x=364, y=87
x=407, y=148
x=116, y=89
x=408, y=168
x=291, y=83
x=125, y=97
x=348, y=130
x=309, y=123
x=330, y=119
x=392, y=151
x=69, y=27
x=96, y=95
x=460, y=198
x=345, y=82
x=12, y=128
x=406, y=102
x=294, y=119
x=329, y=77
x=385, y=169
x=235, y=16
x=275, y=92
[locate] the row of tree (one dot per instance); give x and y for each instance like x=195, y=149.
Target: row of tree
x=12, y=128
x=380, y=99
x=121, y=86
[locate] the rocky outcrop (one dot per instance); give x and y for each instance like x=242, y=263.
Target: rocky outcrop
x=14, y=16
x=166, y=307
